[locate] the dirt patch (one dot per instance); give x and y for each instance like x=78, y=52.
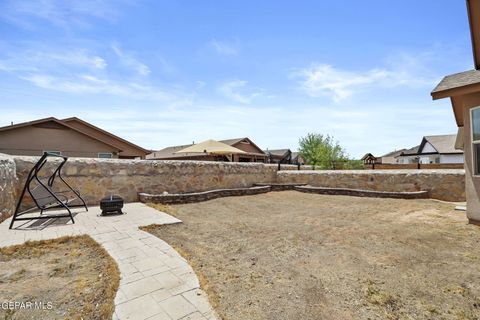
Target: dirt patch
x=64, y=278
x=290, y=255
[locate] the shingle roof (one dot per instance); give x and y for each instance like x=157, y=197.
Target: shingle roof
x=457, y=80
x=277, y=152
x=232, y=141
x=444, y=144
x=169, y=152
x=394, y=153
x=411, y=151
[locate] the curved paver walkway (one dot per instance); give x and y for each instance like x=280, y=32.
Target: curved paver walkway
x=156, y=282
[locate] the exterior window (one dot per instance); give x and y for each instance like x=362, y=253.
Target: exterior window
x=58, y=153
x=105, y=155
x=475, y=122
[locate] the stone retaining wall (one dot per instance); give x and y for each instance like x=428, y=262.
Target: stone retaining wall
x=363, y=193
x=97, y=178
x=8, y=183
x=448, y=185
x=201, y=196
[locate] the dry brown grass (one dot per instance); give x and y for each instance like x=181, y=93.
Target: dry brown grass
x=164, y=208
x=75, y=274
x=289, y=255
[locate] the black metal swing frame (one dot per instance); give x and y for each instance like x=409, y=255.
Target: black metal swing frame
x=43, y=195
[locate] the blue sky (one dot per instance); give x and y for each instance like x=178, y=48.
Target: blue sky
x=161, y=73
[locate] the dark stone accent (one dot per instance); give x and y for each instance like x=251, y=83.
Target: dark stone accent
x=280, y=186
x=363, y=193
x=201, y=196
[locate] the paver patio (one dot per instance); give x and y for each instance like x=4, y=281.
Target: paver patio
x=156, y=282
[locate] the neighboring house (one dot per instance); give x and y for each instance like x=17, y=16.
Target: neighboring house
x=407, y=156
x=433, y=149
x=283, y=156
x=463, y=91
x=70, y=137
x=297, y=158
x=371, y=159
x=252, y=152
x=390, y=157
x=128, y=149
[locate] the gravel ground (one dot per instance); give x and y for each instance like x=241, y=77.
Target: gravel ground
x=290, y=255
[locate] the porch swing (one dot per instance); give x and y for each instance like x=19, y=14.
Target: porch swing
x=45, y=195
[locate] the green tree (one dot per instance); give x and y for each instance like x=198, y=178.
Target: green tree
x=323, y=152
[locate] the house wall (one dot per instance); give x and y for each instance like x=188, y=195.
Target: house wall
x=451, y=158
x=247, y=147
x=428, y=148
x=472, y=182
x=33, y=140
x=127, y=149
x=406, y=159
x=388, y=160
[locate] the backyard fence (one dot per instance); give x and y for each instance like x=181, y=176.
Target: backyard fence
x=399, y=166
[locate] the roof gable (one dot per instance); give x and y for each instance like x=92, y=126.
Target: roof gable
x=100, y=132
x=443, y=144
x=53, y=122
x=236, y=142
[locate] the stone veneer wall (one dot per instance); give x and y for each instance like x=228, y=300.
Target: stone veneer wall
x=96, y=178
x=445, y=184
x=8, y=183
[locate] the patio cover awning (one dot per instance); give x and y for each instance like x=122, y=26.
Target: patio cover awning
x=211, y=147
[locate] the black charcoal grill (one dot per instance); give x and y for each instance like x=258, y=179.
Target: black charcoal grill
x=111, y=204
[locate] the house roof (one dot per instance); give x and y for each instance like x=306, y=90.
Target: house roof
x=404, y=152
x=466, y=82
x=234, y=142
x=444, y=144
x=170, y=152
x=278, y=152
x=103, y=132
x=410, y=152
x=59, y=122
x=368, y=155
x=473, y=8
x=394, y=153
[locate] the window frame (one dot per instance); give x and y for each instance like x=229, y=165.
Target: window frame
x=475, y=170
x=111, y=155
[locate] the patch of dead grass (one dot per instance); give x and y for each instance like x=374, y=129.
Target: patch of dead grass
x=75, y=274
x=164, y=208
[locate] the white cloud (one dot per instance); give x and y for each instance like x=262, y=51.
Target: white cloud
x=128, y=60
x=225, y=48
x=337, y=84
x=81, y=72
x=58, y=12
x=237, y=91
x=35, y=60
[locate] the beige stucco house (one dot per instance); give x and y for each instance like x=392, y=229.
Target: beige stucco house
x=71, y=137
x=463, y=89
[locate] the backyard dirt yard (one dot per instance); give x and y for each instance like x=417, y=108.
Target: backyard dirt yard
x=291, y=255
x=68, y=278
